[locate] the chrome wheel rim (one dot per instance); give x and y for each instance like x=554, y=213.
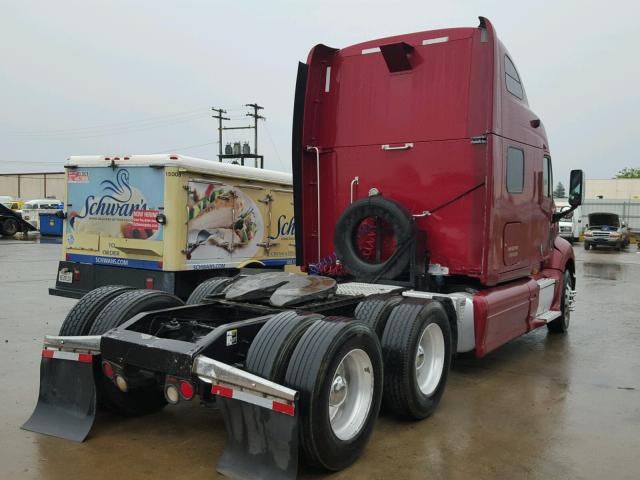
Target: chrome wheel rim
x=430, y=359
x=351, y=394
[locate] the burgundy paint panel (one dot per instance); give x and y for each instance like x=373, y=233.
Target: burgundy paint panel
x=455, y=90
x=503, y=313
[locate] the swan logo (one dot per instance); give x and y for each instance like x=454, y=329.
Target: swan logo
x=119, y=199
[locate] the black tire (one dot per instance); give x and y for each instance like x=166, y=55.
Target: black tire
x=9, y=227
x=311, y=370
x=375, y=311
x=82, y=316
x=405, y=326
x=206, y=288
x=271, y=349
x=561, y=324
x=145, y=399
x=125, y=306
x=346, y=233
x=587, y=246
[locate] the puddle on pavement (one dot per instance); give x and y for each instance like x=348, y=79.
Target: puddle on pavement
x=607, y=271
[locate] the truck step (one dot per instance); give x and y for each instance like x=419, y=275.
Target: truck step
x=366, y=289
x=549, y=315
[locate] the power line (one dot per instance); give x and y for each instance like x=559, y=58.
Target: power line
x=114, y=130
x=109, y=125
x=175, y=149
x=273, y=144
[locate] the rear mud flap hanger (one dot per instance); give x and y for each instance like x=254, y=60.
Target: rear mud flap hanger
x=260, y=416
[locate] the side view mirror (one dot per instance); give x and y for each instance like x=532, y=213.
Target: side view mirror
x=576, y=188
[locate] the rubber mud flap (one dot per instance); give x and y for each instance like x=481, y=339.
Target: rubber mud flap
x=66, y=405
x=261, y=443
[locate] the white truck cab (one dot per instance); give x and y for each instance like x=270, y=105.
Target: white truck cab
x=569, y=225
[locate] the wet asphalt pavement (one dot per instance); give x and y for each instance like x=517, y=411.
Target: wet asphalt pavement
x=543, y=406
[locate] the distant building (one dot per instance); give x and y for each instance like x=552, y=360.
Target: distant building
x=613, y=188
x=27, y=186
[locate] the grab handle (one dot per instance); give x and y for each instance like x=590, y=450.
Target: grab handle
x=406, y=146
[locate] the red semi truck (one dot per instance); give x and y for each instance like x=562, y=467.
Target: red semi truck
x=425, y=218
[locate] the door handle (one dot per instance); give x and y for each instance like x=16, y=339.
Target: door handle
x=406, y=146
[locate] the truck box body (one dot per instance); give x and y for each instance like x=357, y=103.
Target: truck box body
x=427, y=119
x=216, y=216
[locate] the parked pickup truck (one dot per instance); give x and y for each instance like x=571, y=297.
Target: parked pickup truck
x=606, y=229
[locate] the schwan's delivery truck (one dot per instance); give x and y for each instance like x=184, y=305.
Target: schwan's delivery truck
x=169, y=222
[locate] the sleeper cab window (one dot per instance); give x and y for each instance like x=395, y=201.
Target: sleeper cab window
x=546, y=177
x=512, y=79
x=515, y=170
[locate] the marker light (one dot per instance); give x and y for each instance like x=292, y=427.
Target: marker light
x=171, y=394
x=121, y=383
x=107, y=369
x=186, y=390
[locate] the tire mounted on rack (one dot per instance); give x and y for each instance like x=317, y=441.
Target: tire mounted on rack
x=346, y=234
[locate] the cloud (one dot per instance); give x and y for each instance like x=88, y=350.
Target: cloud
x=72, y=64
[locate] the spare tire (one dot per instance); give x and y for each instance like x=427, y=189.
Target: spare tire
x=347, y=230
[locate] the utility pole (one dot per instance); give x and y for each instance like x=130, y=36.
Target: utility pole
x=220, y=118
x=256, y=117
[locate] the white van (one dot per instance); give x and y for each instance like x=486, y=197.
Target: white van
x=32, y=209
x=569, y=225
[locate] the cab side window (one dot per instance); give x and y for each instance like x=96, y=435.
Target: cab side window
x=512, y=79
x=547, y=177
x=515, y=170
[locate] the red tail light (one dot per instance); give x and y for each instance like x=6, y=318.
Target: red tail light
x=107, y=369
x=148, y=282
x=76, y=274
x=186, y=390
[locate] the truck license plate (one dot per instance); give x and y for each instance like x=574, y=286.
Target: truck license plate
x=65, y=276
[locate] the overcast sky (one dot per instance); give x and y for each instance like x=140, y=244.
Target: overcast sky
x=126, y=77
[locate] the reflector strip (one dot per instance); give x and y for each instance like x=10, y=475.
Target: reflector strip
x=258, y=400
x=61, y=355
x=284, y=408
x=431, y=41
x=222, y=391
x=366, y=51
